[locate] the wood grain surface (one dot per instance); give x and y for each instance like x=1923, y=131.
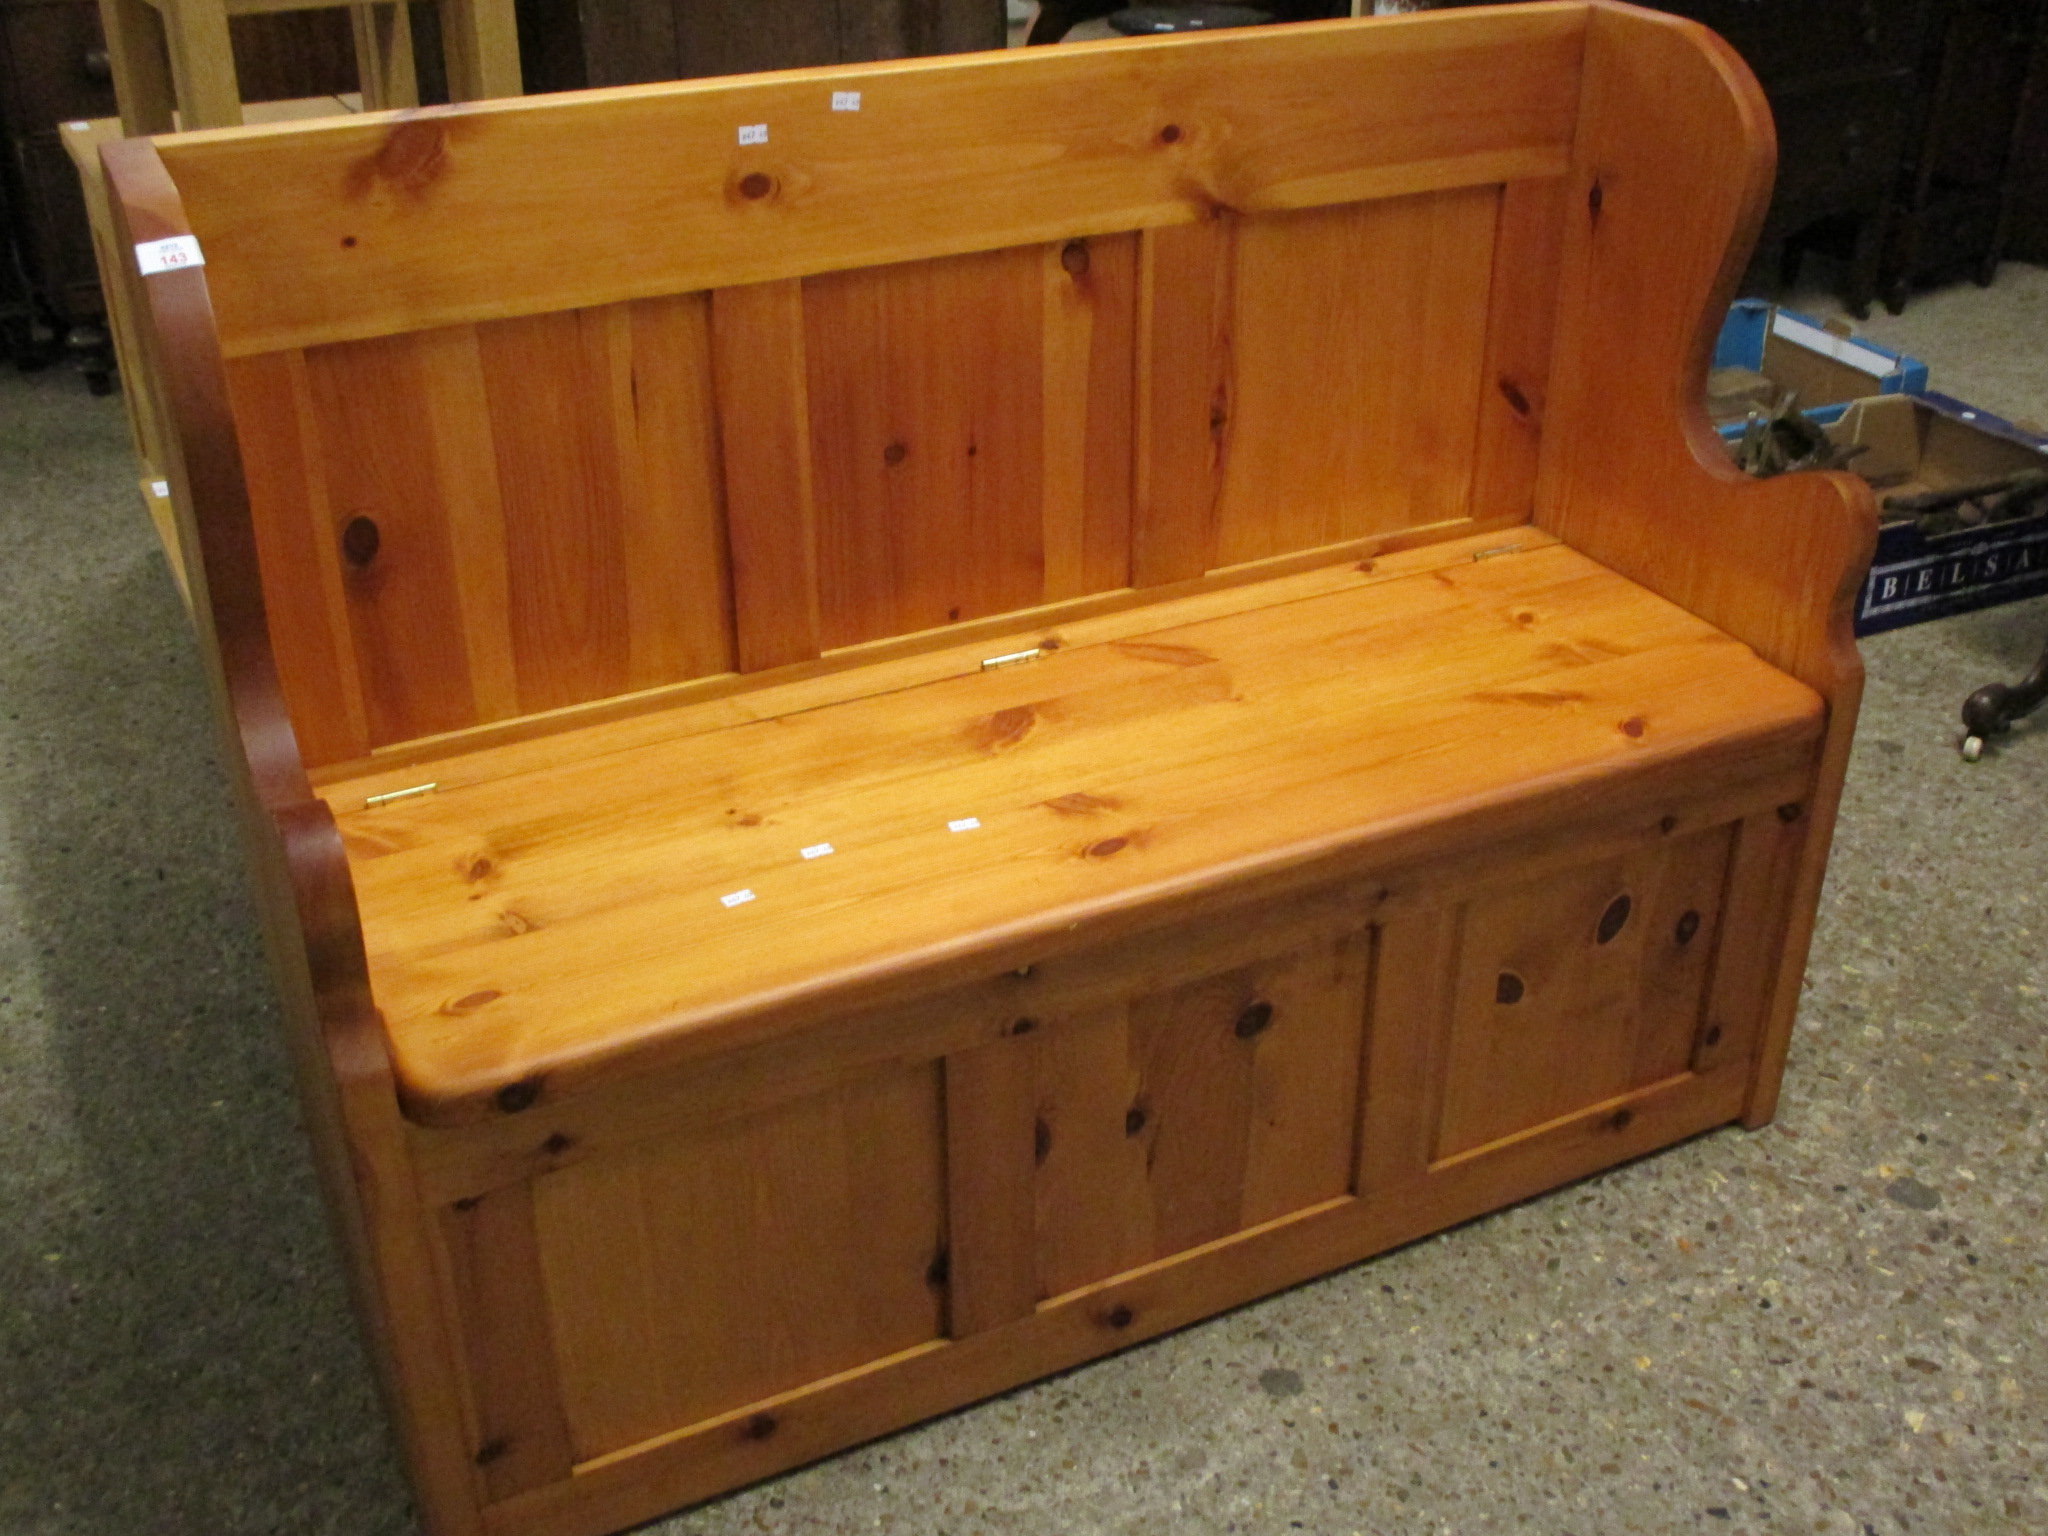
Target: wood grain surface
x=484, y=211
x=575, y=906
x=512, y=518
x=755, y=1024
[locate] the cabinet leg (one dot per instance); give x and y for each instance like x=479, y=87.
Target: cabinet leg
x=1863, y=261
x=140, y=58
x=203, y=64
x=384, y=63
x=481, y=42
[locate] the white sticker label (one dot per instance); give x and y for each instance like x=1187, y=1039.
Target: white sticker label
x=846, y=101
x=964, y=824
x=154, y=256
x=78, y=127
x=816, y=850
x=736, y=899
x=159, y=487
x=754, y=133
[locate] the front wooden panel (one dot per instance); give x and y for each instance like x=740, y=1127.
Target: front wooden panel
x=708, y=1270
x=1187, y=1115
x=692, y=1292
x=1573, y=990
x=472, y=523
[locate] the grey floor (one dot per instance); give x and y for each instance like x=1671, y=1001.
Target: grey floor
x=1834, y=1325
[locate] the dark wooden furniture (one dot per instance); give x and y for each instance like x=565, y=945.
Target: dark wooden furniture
x=54, y=69
x=1056, y=18
x=894, y=750
x=569, y=44
x=1964, y=181
x=2028, y=233
x=1844, y=85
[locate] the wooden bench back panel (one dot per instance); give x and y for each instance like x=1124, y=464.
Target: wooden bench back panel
x=572, y=506
x=545, y=495
x=353, y=228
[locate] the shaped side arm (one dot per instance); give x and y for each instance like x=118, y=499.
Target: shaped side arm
x=1671, y=175
x=301, y=876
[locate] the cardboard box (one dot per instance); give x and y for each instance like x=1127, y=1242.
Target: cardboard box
x=1764, y=350
x=1928, y=567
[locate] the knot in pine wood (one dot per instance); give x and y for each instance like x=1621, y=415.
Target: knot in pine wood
x=1614, y=919
x=522, y=1095
x=360, y=541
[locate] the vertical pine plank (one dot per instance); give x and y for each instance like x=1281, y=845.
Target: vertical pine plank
x=299, y=556
x=373, y=418
x=991, y=1113
x=605, y=1297
x=548, y=382
x=1305, y=1078
x=451, y=371
x=757, y=352
x=1089, y=377
x=925, y=405
x=1544, y=1018
x=1413, y=973
x=495, y=1268
x=1094, y=1198
x=1521, y=315
x=1683, y=922
x=1748, y=947
x=1184, y=425
x=1196, y=1099
x=707, y=1270
x=678, y=584
x=1359, y=343
x=1458, y=260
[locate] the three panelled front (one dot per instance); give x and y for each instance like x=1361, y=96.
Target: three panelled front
x=1324, y=1077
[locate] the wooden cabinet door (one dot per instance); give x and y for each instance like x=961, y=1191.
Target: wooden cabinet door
x=1513, y=1024
x=1106, y=1139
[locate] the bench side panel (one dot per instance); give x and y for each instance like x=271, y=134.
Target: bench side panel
x=1670, y=177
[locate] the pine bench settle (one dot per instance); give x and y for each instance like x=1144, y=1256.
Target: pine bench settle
x=900, y=725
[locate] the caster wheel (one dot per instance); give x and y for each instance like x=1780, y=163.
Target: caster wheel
x=1973, y=748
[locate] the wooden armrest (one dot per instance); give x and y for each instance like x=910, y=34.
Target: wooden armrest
x=1632, y=472
x=1671, y=175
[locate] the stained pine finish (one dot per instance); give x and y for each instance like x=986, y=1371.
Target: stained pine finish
x=1416, y=799
x=488, y=521
x=927, y=442
x=1191, y=1114
x=762, y=1254
x=383, y=224
x=576, y=907
x=1357, y=343
x=538, y=513
x=1555, y=1004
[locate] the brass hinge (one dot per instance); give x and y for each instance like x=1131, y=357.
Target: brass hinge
x=372, y=801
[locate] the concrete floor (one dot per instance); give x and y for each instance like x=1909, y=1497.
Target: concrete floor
x=1832, y=1325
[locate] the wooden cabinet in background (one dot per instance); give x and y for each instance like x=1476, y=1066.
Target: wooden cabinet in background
x=567, y=44
x=1965, y=188
x=53, y=70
